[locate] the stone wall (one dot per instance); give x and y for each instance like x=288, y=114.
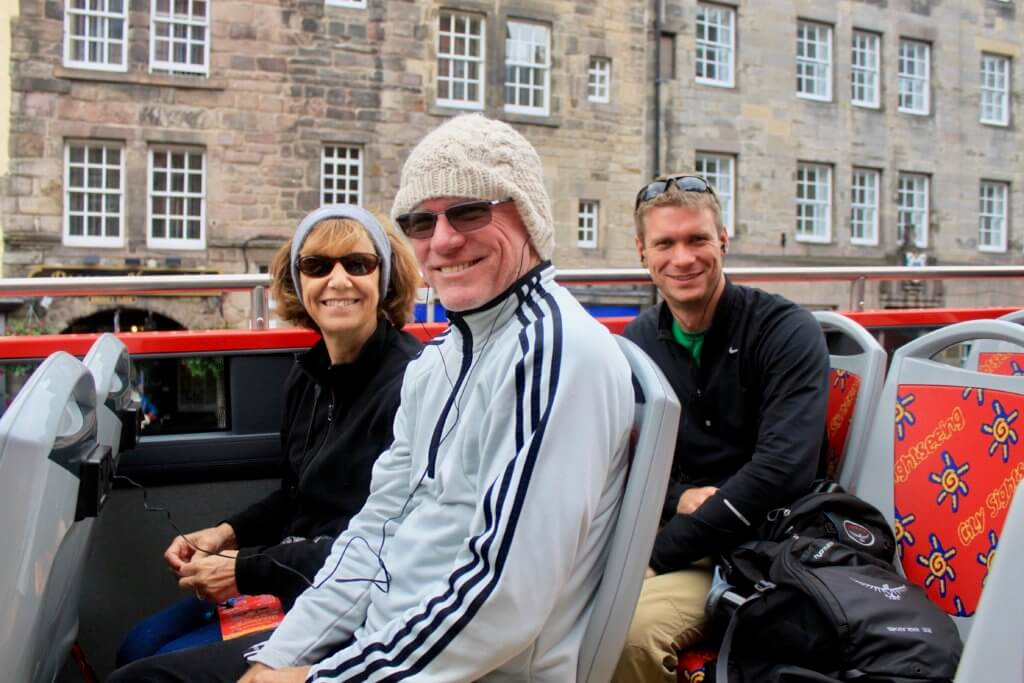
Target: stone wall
x=770, y=129
x=287, y=76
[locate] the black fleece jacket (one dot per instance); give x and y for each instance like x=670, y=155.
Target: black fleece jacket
x=753, y=416
x=337, y=420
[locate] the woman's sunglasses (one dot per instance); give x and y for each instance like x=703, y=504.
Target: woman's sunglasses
x=465, y=217
x=355, y=264
x=685, y=183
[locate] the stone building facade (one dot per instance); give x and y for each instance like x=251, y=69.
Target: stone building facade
x=191, y=135
x=891, y=114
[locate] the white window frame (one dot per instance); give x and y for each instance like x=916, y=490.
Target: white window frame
x=815, y=209
x=587, y=223
x=818, y=68
x=103, y=191
x=463, y=62
x=186, y=195
x=599, y=80
x=865, y=184
x=865, y=69
x=716, y=45
x=353, y=4
x=995, y=89
x=993, y=215
x=917, y=188
x=520, y=58
x=190, y=24
x=914, y=69
x=720, y=172
x=330, y=153
x=104, y=20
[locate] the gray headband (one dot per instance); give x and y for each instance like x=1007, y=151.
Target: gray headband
x=359, y=215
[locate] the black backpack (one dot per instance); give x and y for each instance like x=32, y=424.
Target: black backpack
x=820, y=602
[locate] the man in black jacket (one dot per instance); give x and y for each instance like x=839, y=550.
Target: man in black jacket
x=751, y=372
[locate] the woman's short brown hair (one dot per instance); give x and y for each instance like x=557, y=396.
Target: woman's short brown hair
x=395, y=304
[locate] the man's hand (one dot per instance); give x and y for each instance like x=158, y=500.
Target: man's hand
x=213, y=539
x=692, y=499
x=261, y=673
x=210, y=577
x=649, y=574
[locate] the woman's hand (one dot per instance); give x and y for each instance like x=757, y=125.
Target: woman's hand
x=210, y=577
x=261, y=673
x=212, y=540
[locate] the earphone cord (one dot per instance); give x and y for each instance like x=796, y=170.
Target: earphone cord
x=383, y=584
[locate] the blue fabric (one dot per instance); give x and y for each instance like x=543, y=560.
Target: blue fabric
x=184, y=624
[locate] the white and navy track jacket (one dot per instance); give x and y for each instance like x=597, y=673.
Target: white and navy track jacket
x=493, y=507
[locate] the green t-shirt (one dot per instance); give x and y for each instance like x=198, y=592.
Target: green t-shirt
x=691, y=342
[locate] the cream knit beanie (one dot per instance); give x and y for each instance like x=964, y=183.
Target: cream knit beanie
x=479, y=158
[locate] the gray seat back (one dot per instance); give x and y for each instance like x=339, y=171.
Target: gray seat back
x=944, y=452
x=997, y=357
x=995, y=650
x=855, y=383
x=655, y=425
x=111, y=369
x=48, y=443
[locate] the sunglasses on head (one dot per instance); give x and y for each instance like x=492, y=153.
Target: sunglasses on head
x=464, y=217
x=685, y=183
x=355, y=264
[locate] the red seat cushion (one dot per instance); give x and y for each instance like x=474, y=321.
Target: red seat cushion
x=1001, y=363
x=842, y=397
x=957, y=460
x=691, y=665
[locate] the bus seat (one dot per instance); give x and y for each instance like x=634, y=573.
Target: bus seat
x=116, y=410
x=855, y=384
x=54, y=476
x=998, y=358
x=655, y=424
x=943, y=458
x=995, y=650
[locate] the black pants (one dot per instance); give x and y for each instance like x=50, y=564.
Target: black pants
x=215, y=663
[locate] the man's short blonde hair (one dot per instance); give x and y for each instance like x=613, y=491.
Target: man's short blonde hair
x=673, y=196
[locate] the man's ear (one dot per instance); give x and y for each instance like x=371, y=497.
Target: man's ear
x=640, y=250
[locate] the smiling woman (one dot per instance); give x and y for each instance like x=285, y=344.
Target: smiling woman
x=353, y=281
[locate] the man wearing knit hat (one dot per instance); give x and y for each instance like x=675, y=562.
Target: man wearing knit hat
x=481, y=545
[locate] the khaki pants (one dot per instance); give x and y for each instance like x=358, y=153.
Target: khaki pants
x=669, y=617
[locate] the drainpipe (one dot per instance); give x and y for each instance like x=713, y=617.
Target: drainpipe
x=657, y=88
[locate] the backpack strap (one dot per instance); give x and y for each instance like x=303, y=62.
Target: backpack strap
x=722, y=665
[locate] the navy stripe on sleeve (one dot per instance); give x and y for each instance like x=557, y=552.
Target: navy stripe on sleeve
x=430, y=623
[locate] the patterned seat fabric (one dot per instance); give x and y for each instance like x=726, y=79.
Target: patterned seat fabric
x=1001, y=363
x=692, y=665
x=957, y=460
x=842, y=398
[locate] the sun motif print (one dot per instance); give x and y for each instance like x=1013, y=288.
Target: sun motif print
x=958, y=605
x=986, y=558
x=950, y=481
x=904, y=537
x=979, y=394
x=1001, y=430
x=904, y=418
x=937, y=561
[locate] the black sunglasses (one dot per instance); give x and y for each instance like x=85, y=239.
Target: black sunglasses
x=355, y=264
x=685, y=183
x=464, y=217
